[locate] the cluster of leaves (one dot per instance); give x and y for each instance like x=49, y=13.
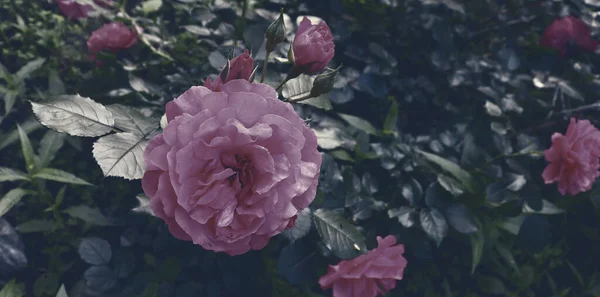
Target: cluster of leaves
x=432, y=134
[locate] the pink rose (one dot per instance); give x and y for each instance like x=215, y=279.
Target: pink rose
x=231, y=168
x=574, y=158
x=241, y=67
x=313, y=46
x=73, y=10
x=111, y=37
x=565, y=31
x=368, y=275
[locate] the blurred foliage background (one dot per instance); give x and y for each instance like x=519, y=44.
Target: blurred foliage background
x=433, y=134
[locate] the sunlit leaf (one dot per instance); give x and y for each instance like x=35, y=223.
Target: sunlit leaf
x=121, y=155
x=359, y=123
x=10, y=199
x=434, y=224
x=9, y=174
x=339, y=235
x=130, y=119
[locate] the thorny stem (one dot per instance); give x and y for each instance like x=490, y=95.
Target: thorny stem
x=519, y=154
x=582, y=108
x=139, y=30
x=264, y=70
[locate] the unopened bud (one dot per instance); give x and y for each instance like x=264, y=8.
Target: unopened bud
x=324, y=82
x=275, y=33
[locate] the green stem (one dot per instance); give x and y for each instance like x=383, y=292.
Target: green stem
x=308, y=96
x=281, y=84
x=243, y=23
x=264, y=70
x=534, y=153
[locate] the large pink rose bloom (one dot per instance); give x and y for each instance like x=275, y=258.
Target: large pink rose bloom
x=313, y=46
x=565, y=31
x=574, y=158
x=111, y=37
x=368, y=275
x=240, y=67
x=73, y=10
x=231, y=168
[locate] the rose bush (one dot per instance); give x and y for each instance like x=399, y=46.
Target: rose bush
x=232, y=168
x=574, y=158
x=368, y=275
x=313, y=46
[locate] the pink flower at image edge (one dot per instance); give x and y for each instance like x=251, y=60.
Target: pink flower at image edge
x=564, y=31
x=231, y=168
x=368, y=275
x=313, y=46
x=574, y=158
x=74, y=10
x=111, y=37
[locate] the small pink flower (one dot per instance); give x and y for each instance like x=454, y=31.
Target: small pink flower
x=241, y=67
x=368, y=275
x=73, y=10
x=231, y=168
x=111, y=37
x=565, y=31
x=574, y=158
x=313, y=46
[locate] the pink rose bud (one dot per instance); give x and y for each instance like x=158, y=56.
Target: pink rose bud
x=372, y=274
x=111, y=37
x=313, y=47
x=73, y=10
x=231, y=168
x=565, y=31
x=574, y=158
x=240, y=67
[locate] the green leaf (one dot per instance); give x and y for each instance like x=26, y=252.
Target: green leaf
x=339, y=235
x=331, y=137
x=512, y=225
x=359, y=123
x=28, y=126
x=575, y=273
x=144, y=204
x=12, y=289
x=62, y=292
x=8, y=174
x=121, y=155
x=27, y=151
x=341, y=155
x=321, y=102
x=29, y=68
x=55, y=85
x=456, y=171
x=95, y=251
x=46, y=284
x=33, y=226
x=60, y=176
x=9, y=98
x=149, y=6
x=434, y=224
x=50, y=144
x=10, y=199
x=477, y=243
x=507, y=255
x=130, y=119
x=140, y=85
x=389, y=125
x=74, y=115
x=90, y=215
x=548, y=208
x=491, y=285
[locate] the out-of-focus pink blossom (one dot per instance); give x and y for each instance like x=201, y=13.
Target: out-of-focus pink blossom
x=111, y=37
x=73, y=10
x=566, y=31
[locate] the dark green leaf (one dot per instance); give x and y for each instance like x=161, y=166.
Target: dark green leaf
x=74, y=115
x=50, y=144
x=389, y=125
x=121, y=154
x=548, y=208
x=321, y=102
x=404, y=214
x=9, y=98
x=450, y=184
x=460, y=174
x=130, y=119
x=60, y=176
x=339, y=235
x=95, y=251
x=507, y=255
x=27, y=151
x=28, y=126
x=296, y=263
x=217, y=60
x=434, y=224
x=124, y=263
x=29, y=68
x=477, y=243
x=46, y=284
x=8, y=174
x=100, y=278
x=36, y=226
x=10, y=199
x=359, y=123
x=412, y=191
x=90, y=215
x=460, y=219
x=55, y=85
x=504, y=190
x=491, y=285
x=566, y=88
x=12, y=289
x=142, y=86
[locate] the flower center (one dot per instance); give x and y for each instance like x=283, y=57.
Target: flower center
x=243, y=173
